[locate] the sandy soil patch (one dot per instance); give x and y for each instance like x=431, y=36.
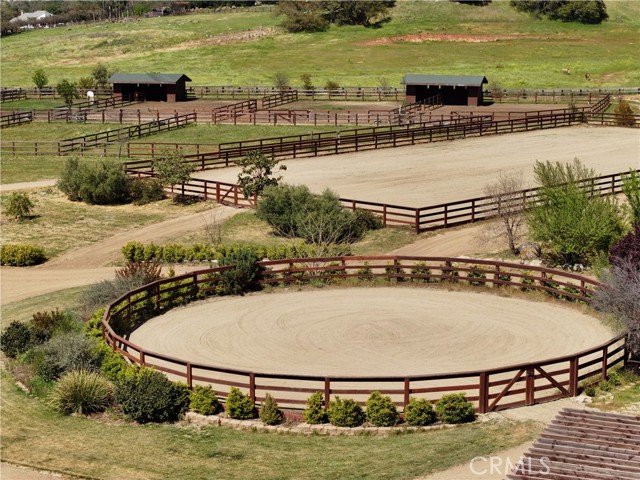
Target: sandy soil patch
x=446, y=37
x=430, y=174
x=369, y=331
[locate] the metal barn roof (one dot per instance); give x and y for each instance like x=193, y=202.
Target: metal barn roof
x=148, y=78
x=457, y=80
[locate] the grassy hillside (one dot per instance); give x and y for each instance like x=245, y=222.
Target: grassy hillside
x=215, y=48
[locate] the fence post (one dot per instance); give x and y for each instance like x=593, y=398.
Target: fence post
x=483, y=393
x=142, y=360
x=252, y=387
x=605, y=363
x=530, y=387
x=573, y=377
x=407, y=392
x=417, y=221
x=189, y=376
x=327, y=392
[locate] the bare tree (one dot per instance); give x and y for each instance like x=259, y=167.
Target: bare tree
x=620, y=296
x=214, y=227
x=506, y=196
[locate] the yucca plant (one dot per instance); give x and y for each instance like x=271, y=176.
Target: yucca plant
x=82, y=392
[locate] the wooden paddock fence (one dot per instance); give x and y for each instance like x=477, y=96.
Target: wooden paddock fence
x=489, y=389
x=15, y=119
x=137, y=131
x=279, y=98
x=371, y=138
x=12, y=95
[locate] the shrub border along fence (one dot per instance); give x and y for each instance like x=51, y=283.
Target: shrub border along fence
x=489, y=389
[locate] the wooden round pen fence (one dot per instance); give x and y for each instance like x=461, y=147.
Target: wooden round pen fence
x=491, y=389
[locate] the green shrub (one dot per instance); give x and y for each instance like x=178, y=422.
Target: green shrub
x=451, y=273
x=82, y=392
x=455, y=408
x=148, y=396
x=345, y=413
x=245, y=273
x=146, y=190
x=16, y=339
x=66, y=352
x=270, y=413
x=112, y=364
x=102, y=183
x=203, y=400
x=314, y=412
x=590, y=390
x=419, y=412
x=526, y=282
x=239, y=406
x=48, y=324
x=420, y=268
x=19, y=255
x=381, y=411
x=93, y=326
x=19, y=206
x=624, y=112
x=476, y=272
x=615, y=379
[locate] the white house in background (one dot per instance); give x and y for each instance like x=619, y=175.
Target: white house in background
x=36, y=16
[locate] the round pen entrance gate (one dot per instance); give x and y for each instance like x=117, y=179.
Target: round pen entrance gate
x=490, y=389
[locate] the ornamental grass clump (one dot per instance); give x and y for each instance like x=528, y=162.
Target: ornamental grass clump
x=82, y=392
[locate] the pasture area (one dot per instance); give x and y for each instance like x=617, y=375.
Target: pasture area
x=369, y=332
x=441, y=172
x=248, y=47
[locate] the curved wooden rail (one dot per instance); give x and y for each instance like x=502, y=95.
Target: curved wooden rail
x=490, y=389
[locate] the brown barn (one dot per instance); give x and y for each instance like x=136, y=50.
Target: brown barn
x=455, y=89
x=156, y=87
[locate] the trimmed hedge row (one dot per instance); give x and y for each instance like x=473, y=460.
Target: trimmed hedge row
x=178, y=252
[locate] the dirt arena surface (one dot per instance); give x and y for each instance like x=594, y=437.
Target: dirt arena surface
x=434, y=173
x=369, y=331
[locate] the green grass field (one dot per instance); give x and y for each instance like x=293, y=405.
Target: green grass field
x=36, y=436
x=535, y=57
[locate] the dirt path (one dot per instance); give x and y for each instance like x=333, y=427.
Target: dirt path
x=12, y=187
x=91, y=264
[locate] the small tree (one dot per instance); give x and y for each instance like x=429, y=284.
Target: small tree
x=281, y=81
x=67, y=90
x=270, y=413
x=40, y=78
x=257, y=173
x=307, y=84
x=239, y=406
x=171, y=169
x=573, y=223
x=624, y=114
x=315, y=413
x=85, y=83
x=506, y=194
x=631, y=189
x=19, y=206
x=302, y=16
x=100, y=74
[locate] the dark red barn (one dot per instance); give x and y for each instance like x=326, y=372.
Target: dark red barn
x=158, y=87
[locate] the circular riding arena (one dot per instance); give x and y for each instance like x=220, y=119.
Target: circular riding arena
x=433, y=173
x=375, y=331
